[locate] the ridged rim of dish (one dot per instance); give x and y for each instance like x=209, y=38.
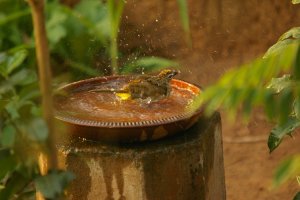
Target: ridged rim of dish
x=124, y=124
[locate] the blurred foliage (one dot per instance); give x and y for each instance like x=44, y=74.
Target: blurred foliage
x=23, y=131
x=83, y=40
x=148, y=64
x=271, y=82
x=290, y=167
x=184, y=16
x=53, y=184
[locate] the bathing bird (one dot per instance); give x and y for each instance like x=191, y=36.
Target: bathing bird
x=151, y=87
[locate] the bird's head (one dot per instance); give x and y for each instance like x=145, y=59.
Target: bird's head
x=168, y=73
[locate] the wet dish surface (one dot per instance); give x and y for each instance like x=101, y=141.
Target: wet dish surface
x=80, y=106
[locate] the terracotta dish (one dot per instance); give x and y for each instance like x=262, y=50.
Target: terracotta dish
x=105, y=116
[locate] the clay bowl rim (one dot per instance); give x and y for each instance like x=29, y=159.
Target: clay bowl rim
x=139, y=124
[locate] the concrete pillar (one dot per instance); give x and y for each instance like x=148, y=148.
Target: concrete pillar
x=188, y=166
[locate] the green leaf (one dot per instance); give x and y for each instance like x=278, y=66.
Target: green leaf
x=290, y=37
x=9, y=61
x=270, y=104
x=29, y=92
x=23, y=77
x=93, y=16
x=279, y=84
x=148, y=64
x=7, y=161
x=295, y=1
x=286, y=170
x=37, y=129
x=285, y=104
x=253, y=76
x=280, y=46
x=14, y=16
x=280, y=131
x=16, y=60
x=7, y=137
x=16, y=184
x=55, y=26
x=54, y=183
x=184, y=16
x=297, y=197
x=297, y=107
x=293, y=33
x=12, y=110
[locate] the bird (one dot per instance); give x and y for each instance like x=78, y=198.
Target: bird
x=150, y=87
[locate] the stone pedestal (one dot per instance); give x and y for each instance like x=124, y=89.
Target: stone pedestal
x=188, y=166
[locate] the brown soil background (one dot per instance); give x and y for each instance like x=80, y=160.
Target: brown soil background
x=225, y=33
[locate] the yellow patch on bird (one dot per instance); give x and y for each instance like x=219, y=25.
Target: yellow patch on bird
x=123, y=96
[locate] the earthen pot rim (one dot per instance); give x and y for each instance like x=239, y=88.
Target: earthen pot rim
x=125, y=124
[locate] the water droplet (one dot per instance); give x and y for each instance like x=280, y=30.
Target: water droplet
x=156, y=20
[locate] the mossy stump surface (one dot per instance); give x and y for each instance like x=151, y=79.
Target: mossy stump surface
x=188, y=166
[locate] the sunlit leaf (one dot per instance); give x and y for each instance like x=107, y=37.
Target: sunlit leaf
x=147, y=64
x=280, y=46
x=54, y=183
x=293, y=33
x=251, y=79
x=287, y=169
x=295, y=1
x=278, y=84
x=7, y=137
x=280, y=131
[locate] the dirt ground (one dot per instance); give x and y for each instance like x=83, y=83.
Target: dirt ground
x=225, y=33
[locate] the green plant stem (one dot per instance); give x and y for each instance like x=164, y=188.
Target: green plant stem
x=115, y=9
x=43, y=61
x=114, y=55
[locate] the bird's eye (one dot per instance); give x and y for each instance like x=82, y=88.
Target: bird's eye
x=170, y=75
